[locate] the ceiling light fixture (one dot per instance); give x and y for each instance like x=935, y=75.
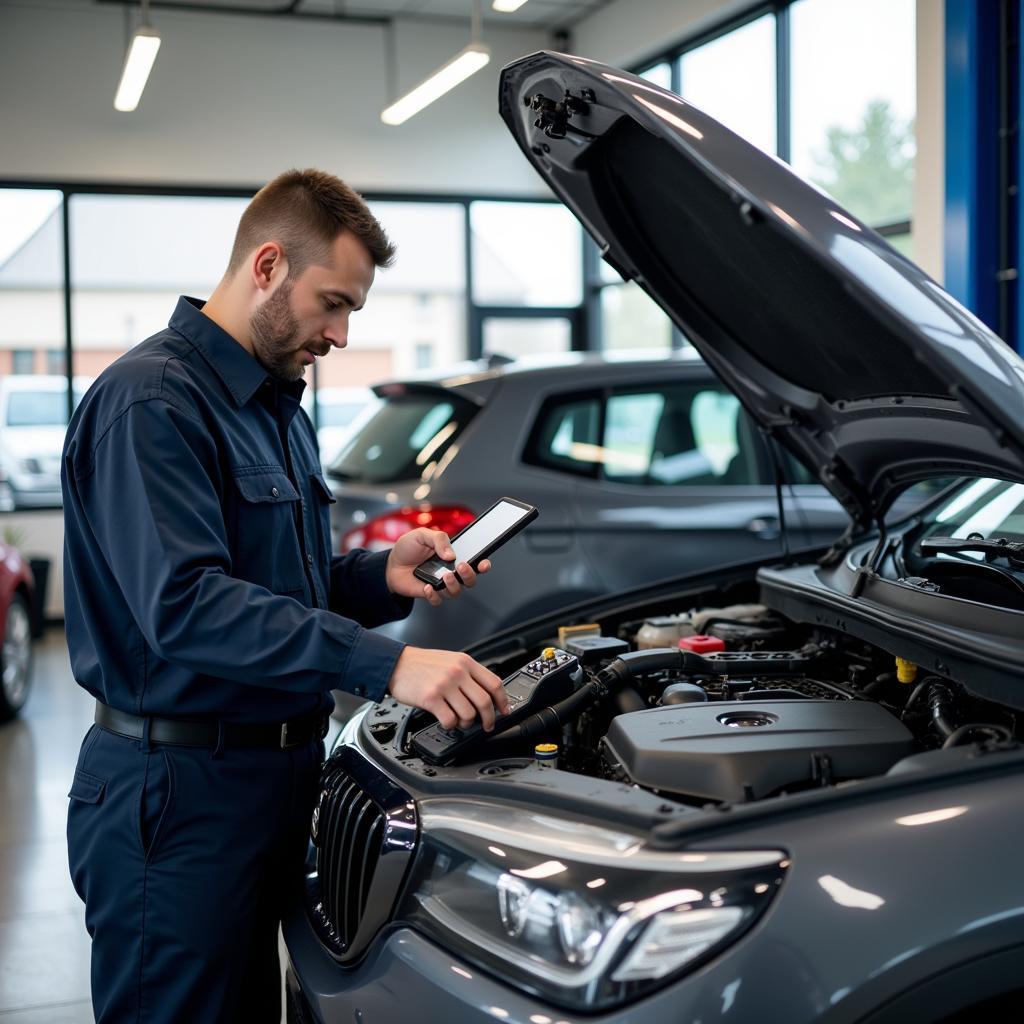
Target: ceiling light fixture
x=466, y=62
x=507, y=6
x=138, y=63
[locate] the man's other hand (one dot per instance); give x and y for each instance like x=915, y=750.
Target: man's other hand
x=417, y=546
x=451, y=686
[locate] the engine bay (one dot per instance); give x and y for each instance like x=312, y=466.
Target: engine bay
x=712, y=705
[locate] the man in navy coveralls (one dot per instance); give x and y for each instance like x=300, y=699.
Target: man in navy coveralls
x=207, y=616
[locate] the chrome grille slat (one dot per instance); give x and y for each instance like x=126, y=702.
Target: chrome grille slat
x=356, y=859
x=360, y=858
x=343, y=853
x=328, y=838
x=368, y=866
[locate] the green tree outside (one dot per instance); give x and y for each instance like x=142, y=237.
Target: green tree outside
x=870, y=169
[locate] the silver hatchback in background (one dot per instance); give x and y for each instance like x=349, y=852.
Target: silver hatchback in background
x=641, y=467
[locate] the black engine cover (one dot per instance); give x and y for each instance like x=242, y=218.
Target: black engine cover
x=730, y=750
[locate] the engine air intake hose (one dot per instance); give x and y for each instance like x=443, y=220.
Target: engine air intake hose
x=625, y=669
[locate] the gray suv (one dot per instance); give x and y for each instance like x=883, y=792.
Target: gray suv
x=642, y=467
x=809, y=806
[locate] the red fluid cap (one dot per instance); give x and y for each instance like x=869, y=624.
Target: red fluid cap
x=701, y=644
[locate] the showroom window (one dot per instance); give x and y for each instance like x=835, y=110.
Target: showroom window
x=815, y=82
x=688, y=436
x=33, y=404
x=527, y=278
x=469, y=280
x=131, y=257
x=732, y=78
x=853, y=105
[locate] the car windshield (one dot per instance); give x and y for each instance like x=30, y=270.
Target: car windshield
x=970, y=544
x=39, y=408
x=407, y=434
x=986, y=509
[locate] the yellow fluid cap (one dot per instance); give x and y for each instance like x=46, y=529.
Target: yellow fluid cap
x=548, y=653
x=906, y=671
x=546, y=748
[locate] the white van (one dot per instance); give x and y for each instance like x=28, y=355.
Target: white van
x=33, y=421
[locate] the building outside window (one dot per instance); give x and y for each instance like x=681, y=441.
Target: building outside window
x=131, y=256
x=23, y=360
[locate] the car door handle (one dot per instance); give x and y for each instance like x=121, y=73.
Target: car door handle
x=764, y=527
x=546, y=543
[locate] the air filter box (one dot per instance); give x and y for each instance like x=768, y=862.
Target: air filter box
x=728, y=750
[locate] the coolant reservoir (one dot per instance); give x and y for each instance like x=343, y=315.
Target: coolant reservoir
x=664, y=631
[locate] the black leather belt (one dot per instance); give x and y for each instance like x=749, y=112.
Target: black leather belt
x=177, y=732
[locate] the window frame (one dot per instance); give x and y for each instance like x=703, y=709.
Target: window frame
x=530, y=455
x=474, y=314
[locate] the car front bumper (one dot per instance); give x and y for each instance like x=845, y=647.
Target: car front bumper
x=406, y=976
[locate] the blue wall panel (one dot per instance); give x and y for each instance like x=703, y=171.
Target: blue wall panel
x=972, y=152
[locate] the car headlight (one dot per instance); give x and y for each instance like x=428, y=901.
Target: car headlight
x=584, y=916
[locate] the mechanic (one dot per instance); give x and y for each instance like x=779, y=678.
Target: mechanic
x=207, y=616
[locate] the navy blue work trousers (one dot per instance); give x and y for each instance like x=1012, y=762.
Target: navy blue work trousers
x=184, y=858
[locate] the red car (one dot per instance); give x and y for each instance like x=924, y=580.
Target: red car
x=16, y=586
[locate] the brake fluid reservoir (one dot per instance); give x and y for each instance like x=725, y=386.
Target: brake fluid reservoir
x=664, y=631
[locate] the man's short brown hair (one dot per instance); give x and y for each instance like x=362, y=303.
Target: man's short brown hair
x=305, y=211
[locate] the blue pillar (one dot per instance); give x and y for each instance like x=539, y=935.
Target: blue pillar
x=972, y=157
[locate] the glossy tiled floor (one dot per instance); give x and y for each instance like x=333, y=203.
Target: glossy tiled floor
x=44, y=947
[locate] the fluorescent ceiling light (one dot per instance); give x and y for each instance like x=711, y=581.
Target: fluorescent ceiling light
x=137, y=65
x=507, y=6
x=458, y=69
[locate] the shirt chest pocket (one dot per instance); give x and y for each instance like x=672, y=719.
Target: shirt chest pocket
x=263, y=533
x=323, y=499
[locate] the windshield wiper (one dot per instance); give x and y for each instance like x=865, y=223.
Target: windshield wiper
x=992, y=547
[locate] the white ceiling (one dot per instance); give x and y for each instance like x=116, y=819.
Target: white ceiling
x=535, y=14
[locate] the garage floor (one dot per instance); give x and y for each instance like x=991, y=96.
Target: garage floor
x=44, y=947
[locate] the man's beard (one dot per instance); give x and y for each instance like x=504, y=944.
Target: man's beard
x=274, y=329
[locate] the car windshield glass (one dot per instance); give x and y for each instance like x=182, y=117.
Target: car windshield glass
x=37, y=409
x=403, y=439
x=985, y=509
x=979, y=513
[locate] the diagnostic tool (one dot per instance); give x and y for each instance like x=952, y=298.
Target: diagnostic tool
x=537, y=684
x=503, y=520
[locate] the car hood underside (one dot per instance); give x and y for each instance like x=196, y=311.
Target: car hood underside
x=841, y=348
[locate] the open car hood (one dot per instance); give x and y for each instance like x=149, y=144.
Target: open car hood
x=841, y=348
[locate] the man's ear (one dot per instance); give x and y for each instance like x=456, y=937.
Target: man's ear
x=268, y=265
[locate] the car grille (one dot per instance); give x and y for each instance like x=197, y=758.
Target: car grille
x=364, y=829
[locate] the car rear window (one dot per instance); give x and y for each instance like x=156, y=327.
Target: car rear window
x=400, y=440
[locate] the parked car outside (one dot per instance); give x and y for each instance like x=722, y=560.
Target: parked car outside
x=642, y=466
x=33, y=421
x=16, y=587
x=810, y=808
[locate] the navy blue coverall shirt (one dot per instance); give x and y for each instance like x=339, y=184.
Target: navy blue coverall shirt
x=199, y=576
x=199, y=584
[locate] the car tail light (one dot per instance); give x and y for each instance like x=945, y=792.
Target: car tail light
x=381, y=532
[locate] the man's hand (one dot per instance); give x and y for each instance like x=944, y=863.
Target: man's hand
x=417, y=546
x=451, y=686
